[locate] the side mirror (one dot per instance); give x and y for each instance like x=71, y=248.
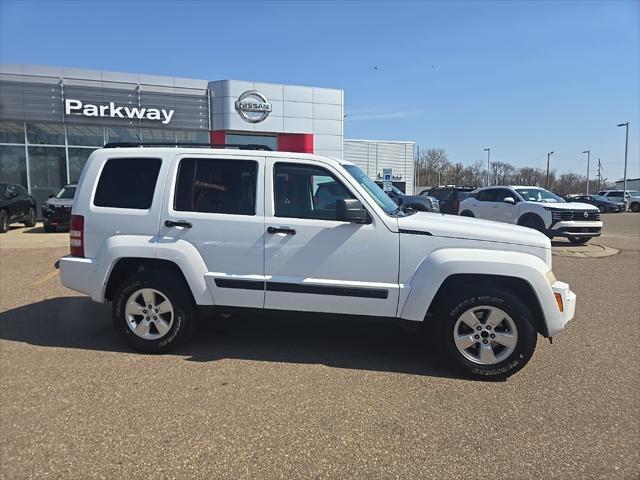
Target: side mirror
x=509, y=200
x=351, y=210
x=51, y=195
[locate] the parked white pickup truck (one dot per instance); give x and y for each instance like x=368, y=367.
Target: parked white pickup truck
x=163, y=233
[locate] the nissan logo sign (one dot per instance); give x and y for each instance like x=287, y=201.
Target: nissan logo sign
x=253, y=106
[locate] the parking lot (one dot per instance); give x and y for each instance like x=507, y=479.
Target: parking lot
x=294, y=398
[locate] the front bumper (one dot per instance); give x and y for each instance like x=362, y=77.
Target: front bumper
x=573, y=228
x=568, y=299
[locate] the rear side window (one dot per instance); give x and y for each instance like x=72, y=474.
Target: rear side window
x=127, y=183
x=212, y=185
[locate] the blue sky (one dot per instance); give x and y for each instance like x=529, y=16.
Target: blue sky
x=523, y=78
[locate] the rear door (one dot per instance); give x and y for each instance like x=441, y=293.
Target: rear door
x=314, y=262
x=217, y=205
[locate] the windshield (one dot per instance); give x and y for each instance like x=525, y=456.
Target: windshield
x=600, y=198
x=374, y=190
x=66, y=192
x=539, y=195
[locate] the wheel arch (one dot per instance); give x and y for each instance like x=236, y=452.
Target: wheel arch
x=530, y=215
x=518, y=286
x=521, y=273
x=127, y=266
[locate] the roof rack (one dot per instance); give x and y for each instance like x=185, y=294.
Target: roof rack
x=239, y=146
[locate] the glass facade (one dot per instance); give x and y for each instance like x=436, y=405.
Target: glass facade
x=43, y=157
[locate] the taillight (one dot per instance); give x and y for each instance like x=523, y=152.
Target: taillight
x=76, y=236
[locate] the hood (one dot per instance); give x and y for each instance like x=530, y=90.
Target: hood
x=59, y=202
x=569, y=206
x=469, y=228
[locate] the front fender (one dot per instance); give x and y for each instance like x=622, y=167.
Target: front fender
x=443, y=263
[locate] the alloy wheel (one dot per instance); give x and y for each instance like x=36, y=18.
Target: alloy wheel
x=149, y=314
x=485, y=335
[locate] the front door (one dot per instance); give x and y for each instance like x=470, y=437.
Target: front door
x=217, y=206
x=313, y=262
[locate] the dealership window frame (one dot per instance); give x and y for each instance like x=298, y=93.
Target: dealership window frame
x=68, y=147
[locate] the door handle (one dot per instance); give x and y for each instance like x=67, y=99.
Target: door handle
x=178, y=223
x=285, y=230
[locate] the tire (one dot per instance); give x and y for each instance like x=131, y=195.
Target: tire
x=4, y=221
x=635, y=207
x=578, y=240
x=49, y=228
x=602, y=209
x=174, y=326
x=31, y=218
x=467, y=213
x=493, y=359
x=532, y=221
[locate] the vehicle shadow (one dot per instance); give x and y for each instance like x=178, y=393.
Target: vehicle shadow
x=77, y=322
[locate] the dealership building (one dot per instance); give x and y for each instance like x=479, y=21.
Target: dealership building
x=52, y=118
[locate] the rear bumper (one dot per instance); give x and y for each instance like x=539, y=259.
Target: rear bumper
x=78, y=274
x=568, y=299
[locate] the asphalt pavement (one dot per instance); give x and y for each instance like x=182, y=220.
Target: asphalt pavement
x=294, y=398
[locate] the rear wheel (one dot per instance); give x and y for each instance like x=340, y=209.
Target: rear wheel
x=635, y=207
x=30, y=221
x=579, y=240
x=602, y=209
x=486, y=333
x=154, y=312
x=4, y=221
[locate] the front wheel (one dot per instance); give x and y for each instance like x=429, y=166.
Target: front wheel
x=154, y=312
x=466, y=213
x=30, y=221
x=635, y=207
x=486, y=333
x=4, y=221
x=532, y=221
x=602, y=209
x=579, y=240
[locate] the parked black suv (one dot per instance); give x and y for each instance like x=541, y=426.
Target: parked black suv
x=56, y=211
x=449, y=196
x=16, y=205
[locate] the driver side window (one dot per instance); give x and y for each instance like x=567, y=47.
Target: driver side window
x=303, y=191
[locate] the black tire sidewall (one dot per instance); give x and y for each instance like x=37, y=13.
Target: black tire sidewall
x=31, y=219
x=579, y=240
x=519, y=313
x=4, y=221
x=184, y=309
x=602, y=209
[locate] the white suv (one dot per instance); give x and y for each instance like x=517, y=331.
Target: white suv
x=536, y=208
x=166, y=234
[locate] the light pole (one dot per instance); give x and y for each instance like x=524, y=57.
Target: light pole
x=626, y=147
x=588, y=152
x=548, y=156
x=488, y=150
